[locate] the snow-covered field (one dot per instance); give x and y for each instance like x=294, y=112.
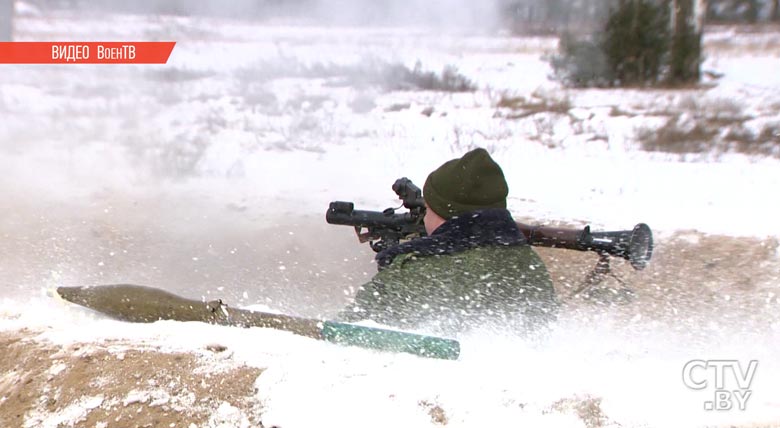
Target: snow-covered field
x=210, y=176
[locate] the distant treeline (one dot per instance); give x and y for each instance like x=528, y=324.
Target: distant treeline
x=6, y=26
x=231, y=8
x=451, y=13
x=750, y=11
x=583, y=15
x=523, y=16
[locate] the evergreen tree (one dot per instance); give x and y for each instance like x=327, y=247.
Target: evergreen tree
x=636, y=39
x=685, y=59
x=643, y=42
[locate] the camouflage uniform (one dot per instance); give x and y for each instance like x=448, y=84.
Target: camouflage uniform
x=475, y=270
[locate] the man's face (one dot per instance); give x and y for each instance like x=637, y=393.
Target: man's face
x=431, y=220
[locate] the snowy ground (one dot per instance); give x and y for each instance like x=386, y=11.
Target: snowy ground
x=209, y=176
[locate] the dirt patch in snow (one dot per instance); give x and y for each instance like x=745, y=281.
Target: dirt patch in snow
x=102, y=385
x=690, y=273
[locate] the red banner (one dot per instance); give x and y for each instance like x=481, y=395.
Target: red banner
x=85, y=52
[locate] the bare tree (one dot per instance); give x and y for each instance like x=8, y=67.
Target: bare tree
x=775, y=15
x=6, y=23
x=753, y=11
x=687, y=22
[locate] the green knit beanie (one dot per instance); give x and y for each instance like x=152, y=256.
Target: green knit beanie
x=472, y=182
